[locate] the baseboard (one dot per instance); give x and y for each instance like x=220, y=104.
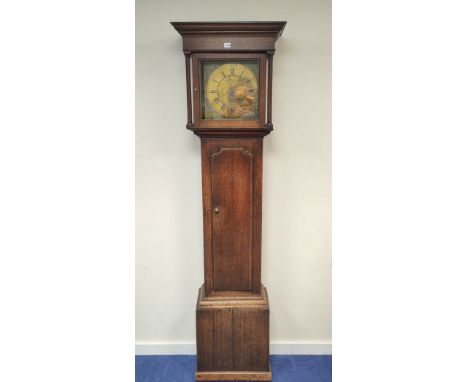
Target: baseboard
x=166, y=348
x=309, y=348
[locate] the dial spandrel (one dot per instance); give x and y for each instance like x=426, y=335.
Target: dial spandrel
x=230, y=90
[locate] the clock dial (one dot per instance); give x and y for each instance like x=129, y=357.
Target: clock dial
x=231, y=90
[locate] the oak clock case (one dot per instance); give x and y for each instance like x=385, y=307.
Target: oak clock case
x=229, y=68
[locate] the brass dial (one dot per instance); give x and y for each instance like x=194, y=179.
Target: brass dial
x=232, y=91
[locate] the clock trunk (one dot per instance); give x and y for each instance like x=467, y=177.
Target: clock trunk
x=232, y=204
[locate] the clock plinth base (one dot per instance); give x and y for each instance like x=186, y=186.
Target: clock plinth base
x=233, y=336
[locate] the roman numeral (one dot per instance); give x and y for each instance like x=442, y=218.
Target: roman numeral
x=232, y=71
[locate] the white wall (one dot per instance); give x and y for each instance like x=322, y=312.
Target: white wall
x=297, y=173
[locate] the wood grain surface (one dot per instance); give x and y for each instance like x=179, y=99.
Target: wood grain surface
x=233, y=333
x=232, y=186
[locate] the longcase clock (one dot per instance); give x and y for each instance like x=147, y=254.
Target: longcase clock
x=229, y=72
